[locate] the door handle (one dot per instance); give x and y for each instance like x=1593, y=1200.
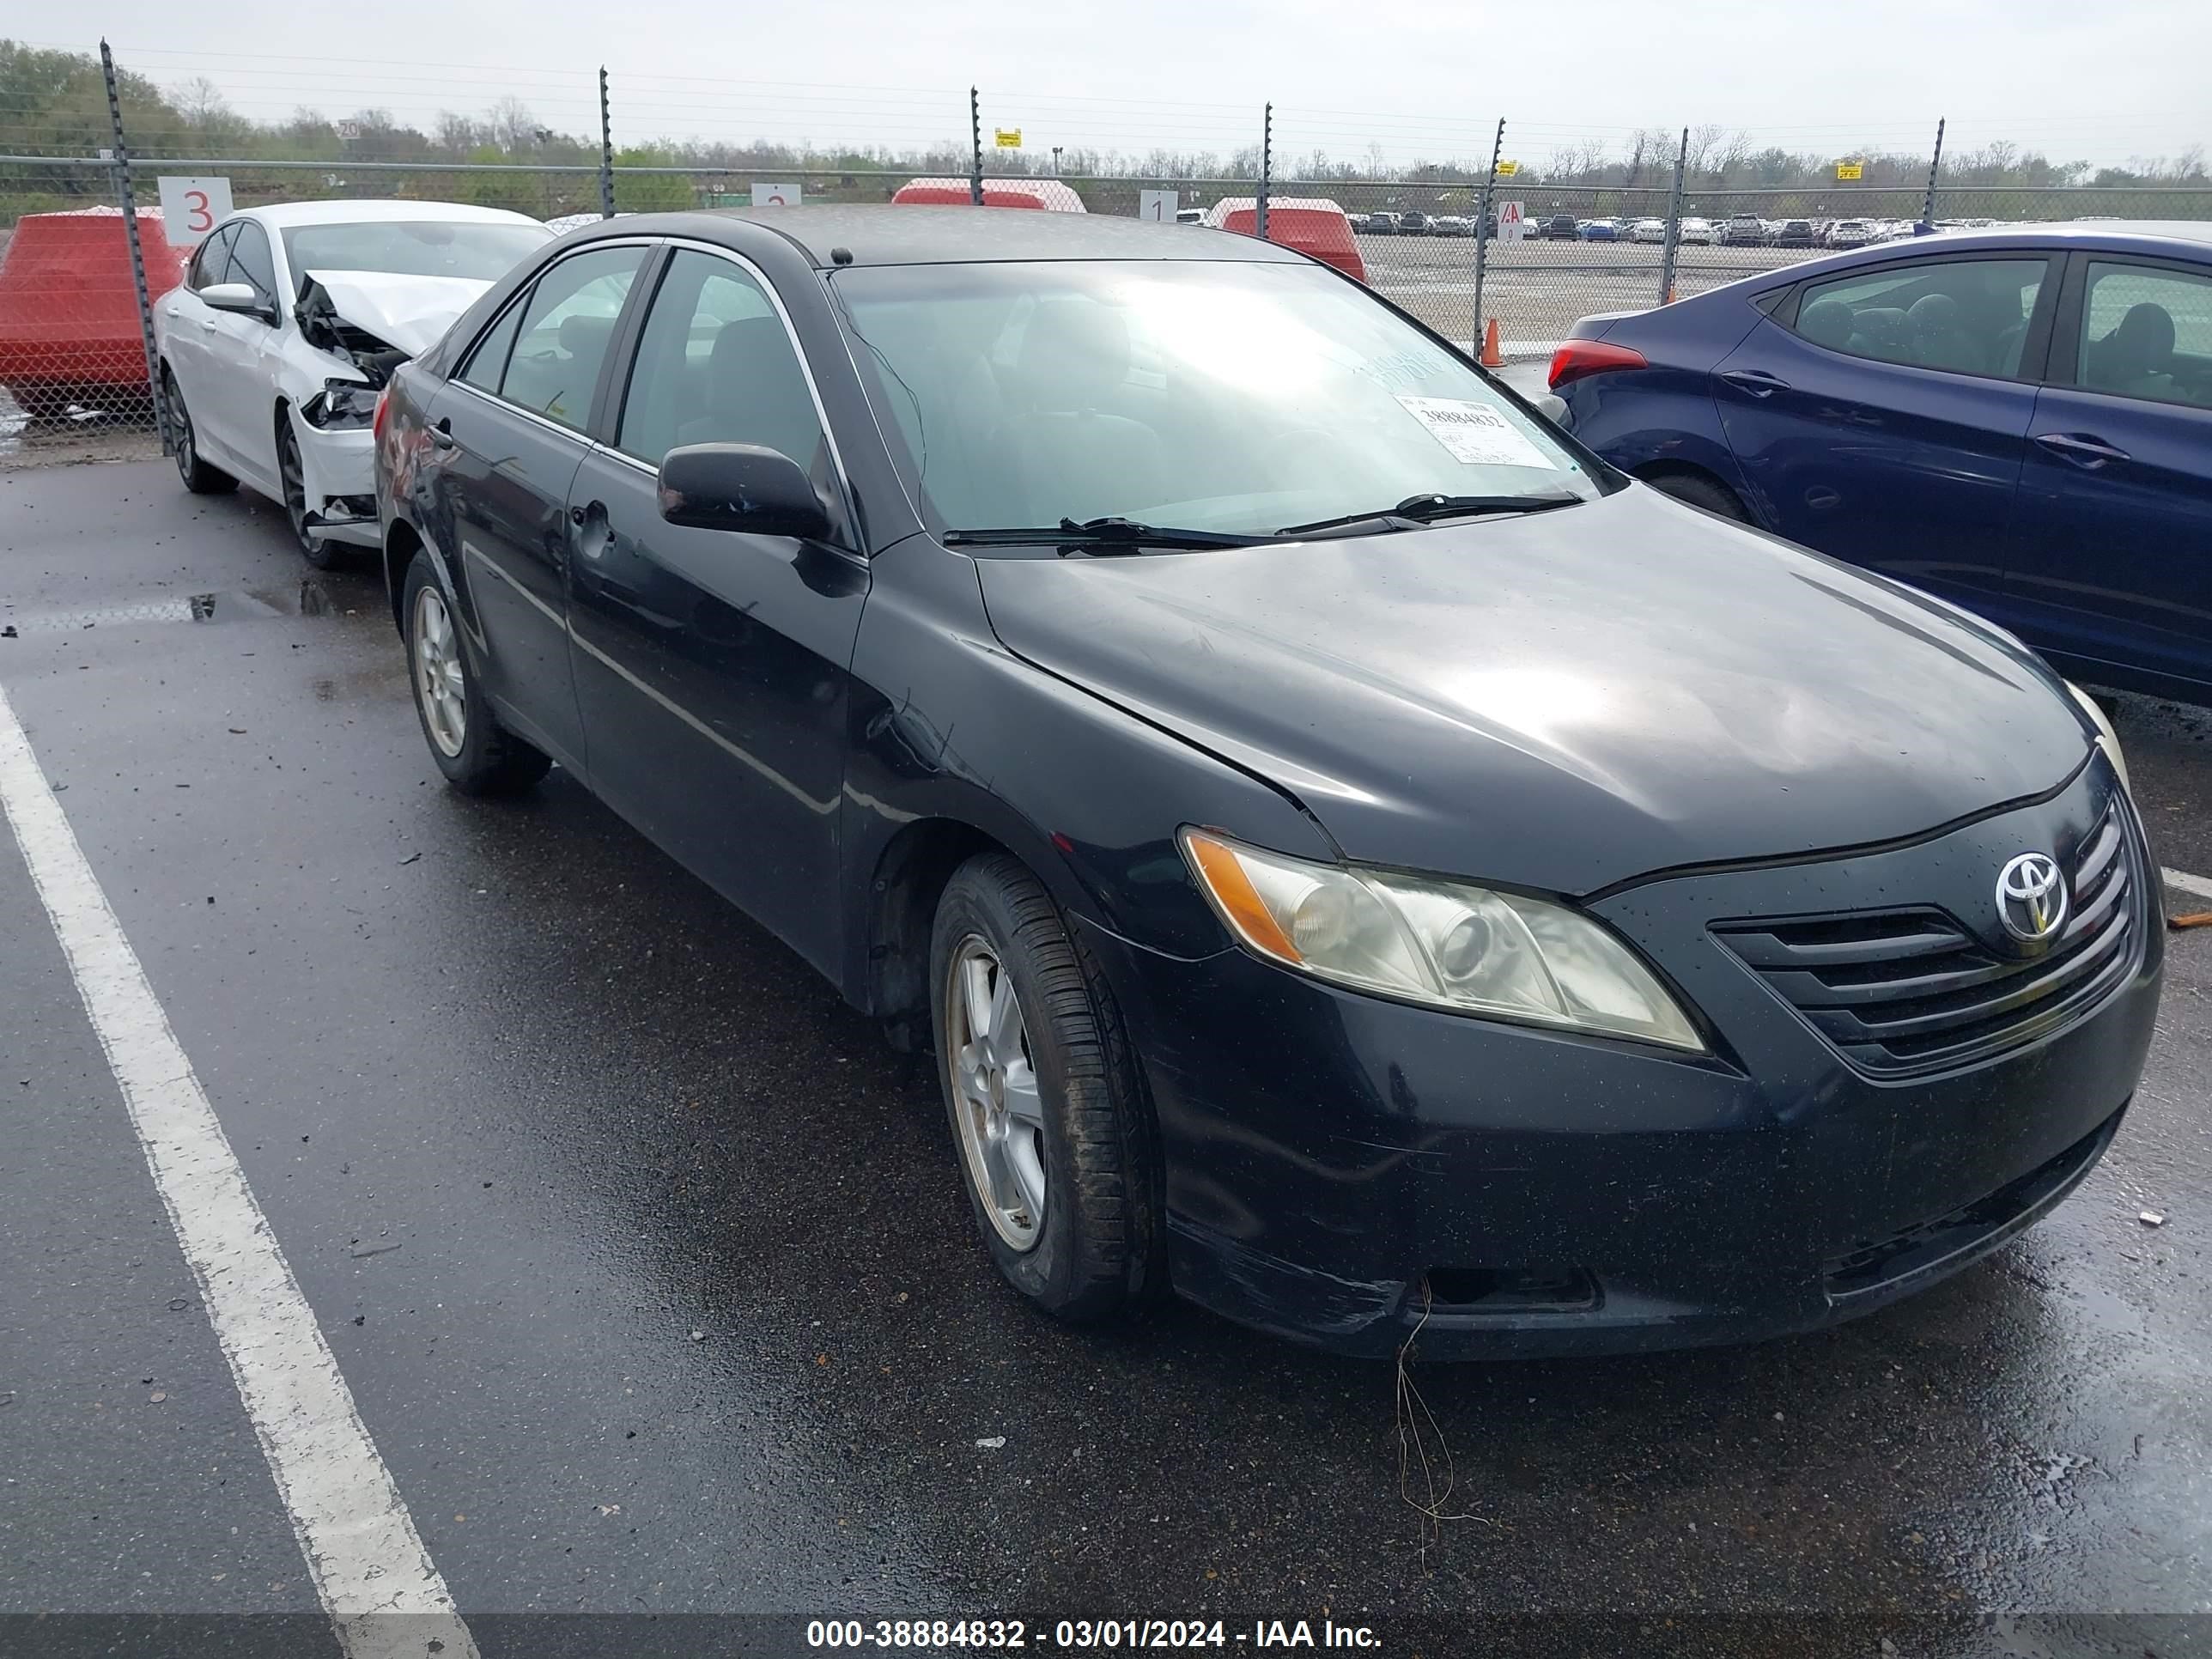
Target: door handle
x=441, y=433
x=592, y=519
x=1757, y=381
x=208, y=322
x=2080, y=448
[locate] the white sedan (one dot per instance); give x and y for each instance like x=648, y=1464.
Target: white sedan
x=1699, y=231
x=290, y=318
x=1648, y=230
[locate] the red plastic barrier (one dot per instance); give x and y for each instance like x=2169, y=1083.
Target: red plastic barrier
x=1048, y=194
x=1310, y=224
x=69, y=318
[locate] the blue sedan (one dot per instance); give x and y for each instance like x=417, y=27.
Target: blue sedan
x=2017, y=420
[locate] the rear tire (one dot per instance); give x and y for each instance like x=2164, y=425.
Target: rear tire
x=1095, y=1253
x=198, y=477
x=1701, y=491
x=478, y=756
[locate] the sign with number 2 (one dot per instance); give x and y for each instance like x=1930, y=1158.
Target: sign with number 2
x=193, y=207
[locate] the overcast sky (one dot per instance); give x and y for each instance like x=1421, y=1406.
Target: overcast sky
x=2102, y=82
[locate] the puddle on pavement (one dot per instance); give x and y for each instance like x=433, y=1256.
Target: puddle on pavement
x=307, y=597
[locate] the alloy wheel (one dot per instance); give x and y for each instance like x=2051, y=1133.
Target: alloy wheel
x=440, y=689
x=181, y=418
x=295, y=485
x=999, y=1106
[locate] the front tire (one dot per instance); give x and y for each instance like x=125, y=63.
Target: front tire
x=1054, y=1133
x=292, y=477
x=197, y=476
x=478, y=756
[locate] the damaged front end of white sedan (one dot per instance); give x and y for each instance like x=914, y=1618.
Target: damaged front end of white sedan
x=369, y=322
x=288, y=325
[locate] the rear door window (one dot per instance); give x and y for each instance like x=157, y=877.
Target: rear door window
x=1968, y=316
x=2147, y=333
x=487, y=363
x=566, y=328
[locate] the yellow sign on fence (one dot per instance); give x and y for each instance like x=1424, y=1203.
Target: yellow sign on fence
x=1849, y=172
x=1009, y=137
x=1507, y=169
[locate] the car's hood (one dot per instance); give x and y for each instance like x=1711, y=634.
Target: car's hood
x=406, y=312
x=1562, y=701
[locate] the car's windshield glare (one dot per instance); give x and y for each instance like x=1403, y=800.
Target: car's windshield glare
x=1218, y=395
x=483, y=252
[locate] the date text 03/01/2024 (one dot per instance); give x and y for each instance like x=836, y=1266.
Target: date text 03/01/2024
x=1085, y=1633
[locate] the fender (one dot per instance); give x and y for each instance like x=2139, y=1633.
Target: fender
x=948, y=728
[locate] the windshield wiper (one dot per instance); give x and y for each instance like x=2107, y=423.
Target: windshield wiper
x=1428, y=510
x=1104, y=535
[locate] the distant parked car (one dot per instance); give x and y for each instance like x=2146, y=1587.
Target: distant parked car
x=289, y=321
x=1795, y=233
x=1699, y=231
x=1849, y=233
x=1382, y=224
x=1451, y=224
x=1648, y=230
x=1599, y=230
x=1744, y=230
x=2018, y=420
x=1556, y=228
x=1190, y=216
x=1414, y=223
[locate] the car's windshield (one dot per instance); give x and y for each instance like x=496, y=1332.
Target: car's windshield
x=484, y=251
x=1209, y=395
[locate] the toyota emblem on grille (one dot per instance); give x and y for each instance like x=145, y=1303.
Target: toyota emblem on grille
x=2032, y=898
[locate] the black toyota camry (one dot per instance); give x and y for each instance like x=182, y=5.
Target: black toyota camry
x=1355, y=858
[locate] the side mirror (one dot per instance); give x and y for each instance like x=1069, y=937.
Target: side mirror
x=743, y=487
x=236, y=296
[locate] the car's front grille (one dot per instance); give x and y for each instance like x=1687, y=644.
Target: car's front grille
x=1907, y=991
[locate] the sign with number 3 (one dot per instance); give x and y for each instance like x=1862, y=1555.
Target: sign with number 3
x=193, y=207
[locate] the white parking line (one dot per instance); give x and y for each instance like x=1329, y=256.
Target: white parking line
x=2187, y=883
x=368, y=1561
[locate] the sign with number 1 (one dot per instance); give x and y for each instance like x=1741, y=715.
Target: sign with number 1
x=193, y=207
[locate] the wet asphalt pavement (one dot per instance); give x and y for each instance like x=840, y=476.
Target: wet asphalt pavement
x=648, y=1266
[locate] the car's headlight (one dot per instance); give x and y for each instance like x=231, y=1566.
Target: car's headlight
x=2107, y=739
x=341, y=405
x=1445, y=943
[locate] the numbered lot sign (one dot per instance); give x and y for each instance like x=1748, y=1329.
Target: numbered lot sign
x=193, y=207
x=1158, y=206
x=776, y=195
x=1512, y=221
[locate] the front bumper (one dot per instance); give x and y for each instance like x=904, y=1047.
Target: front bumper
x=337, y=466
x=1344, y=1169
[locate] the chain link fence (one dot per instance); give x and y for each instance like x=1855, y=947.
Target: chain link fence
x=1489, y=261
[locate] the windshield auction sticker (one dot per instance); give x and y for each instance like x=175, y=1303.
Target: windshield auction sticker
x=1475, y=432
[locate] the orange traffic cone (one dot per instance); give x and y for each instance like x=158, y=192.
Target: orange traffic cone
x=1492, y=357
